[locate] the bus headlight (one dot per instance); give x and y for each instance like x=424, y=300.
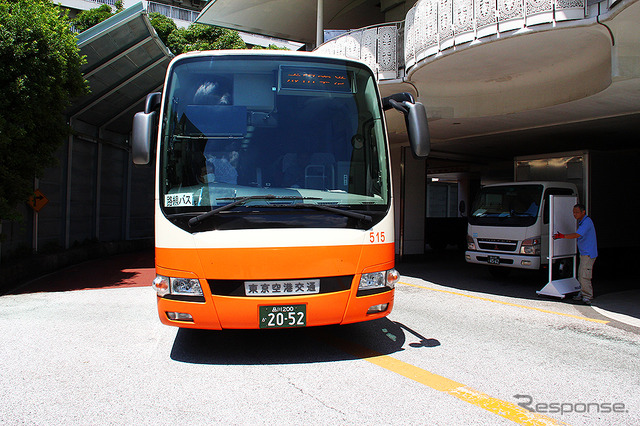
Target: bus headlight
x=186, y=287
x=380, y=279
x=530, y=246
x=181, y=286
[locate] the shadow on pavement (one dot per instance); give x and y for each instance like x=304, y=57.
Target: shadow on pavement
x=448, y=268
x=295, y=346
x=624, y=303
x=135, y=269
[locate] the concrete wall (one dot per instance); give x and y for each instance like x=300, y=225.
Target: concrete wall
x=95, y=194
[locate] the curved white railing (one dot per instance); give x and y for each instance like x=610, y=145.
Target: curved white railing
x=435, y=25
x=432, y=26
x=379, y=46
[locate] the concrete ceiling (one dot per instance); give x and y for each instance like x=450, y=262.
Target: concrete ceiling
x=290, y=19
x=549, y=90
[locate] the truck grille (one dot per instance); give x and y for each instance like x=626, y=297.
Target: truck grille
x=497, y=245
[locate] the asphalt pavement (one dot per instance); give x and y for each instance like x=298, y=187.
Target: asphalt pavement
x=616, y=299
x=460, y=347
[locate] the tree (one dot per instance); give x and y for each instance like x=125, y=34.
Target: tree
x=39, y=75
x=203, y=37
x=270, y=47
x=163, y=26
x=86, y=19
x=178, y=40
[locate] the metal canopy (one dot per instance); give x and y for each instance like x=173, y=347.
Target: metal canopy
x=126, y=60
x=290, y=19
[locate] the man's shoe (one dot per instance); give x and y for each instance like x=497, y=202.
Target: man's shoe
x=577, y=297
x=586, y=301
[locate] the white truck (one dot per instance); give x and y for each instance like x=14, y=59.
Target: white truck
x=509, y=222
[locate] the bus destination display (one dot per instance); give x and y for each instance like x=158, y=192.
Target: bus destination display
x=315, y=79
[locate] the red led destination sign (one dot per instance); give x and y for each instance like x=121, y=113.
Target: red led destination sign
x=315, y=79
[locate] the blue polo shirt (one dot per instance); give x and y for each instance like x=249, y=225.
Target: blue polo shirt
x=587, y=244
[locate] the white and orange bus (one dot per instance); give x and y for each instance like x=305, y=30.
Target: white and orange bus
x=273, y=203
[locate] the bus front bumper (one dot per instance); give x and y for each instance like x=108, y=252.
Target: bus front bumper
x=227, y=312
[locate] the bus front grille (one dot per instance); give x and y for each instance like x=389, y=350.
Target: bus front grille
x=237, y=287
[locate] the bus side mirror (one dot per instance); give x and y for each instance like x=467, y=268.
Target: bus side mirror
x=418, y=129
x=145, y=129
x=415, y=117
x=152, y=103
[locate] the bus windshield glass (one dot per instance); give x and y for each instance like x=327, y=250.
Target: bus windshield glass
x=516, y=205
x=272, y=132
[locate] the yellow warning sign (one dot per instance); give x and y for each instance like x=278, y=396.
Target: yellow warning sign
x=37, y=201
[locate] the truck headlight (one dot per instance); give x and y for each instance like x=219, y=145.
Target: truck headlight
x=471, y=245
x=530, y=246
x=380, y=279
x=180, y=286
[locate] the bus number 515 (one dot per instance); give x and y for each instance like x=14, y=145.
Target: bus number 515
x=376, y=237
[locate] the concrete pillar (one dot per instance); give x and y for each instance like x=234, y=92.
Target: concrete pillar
x=412, y=203
x=464, y=196
x=320, y=23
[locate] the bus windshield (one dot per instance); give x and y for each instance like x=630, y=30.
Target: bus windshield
x=272, y=132
x=516, y=205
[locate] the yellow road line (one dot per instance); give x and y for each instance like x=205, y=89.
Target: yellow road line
x=464, y=393
x=507, y=303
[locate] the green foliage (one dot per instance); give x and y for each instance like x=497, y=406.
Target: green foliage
x=270, y=47
x=178, y=40
x=163, y=26
x=88, y=18
x=203, y=37
x=39, y=74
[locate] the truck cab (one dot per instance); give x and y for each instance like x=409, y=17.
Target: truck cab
x=509, y=224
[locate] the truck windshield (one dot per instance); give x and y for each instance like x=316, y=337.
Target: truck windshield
x=516, y=205
x=276, y=131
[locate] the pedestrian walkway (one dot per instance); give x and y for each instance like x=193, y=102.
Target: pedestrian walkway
x=621, y=306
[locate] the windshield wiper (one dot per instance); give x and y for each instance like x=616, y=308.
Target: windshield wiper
x=355, y=215
x=201, y=137
x=239, y=201
x=347, y=213
x=188, y=137
x=173, y=215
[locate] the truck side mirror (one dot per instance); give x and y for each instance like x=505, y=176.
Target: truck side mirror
x=415, y=117
x=144, y=130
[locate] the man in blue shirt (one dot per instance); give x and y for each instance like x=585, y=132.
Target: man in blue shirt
x=588, y=248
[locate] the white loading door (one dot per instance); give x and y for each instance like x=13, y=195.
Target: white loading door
x=562, y=252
